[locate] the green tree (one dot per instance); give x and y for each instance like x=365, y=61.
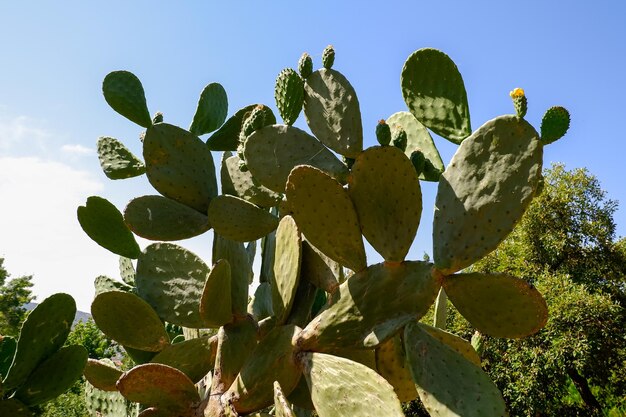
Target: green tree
x=87, y=334
x=15, y=293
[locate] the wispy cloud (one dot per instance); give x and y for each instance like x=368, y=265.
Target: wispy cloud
x=77, y=149
x=22, y=130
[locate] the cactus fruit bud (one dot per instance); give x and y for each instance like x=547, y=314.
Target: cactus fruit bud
x=399, y=138
x=289, y=95
x=254, y=121
x=383, y=133
x=554, y=124
x=158, y=118
x=305, y=65
x=431, y=173
x=348, y=161
x=418, y=160
x=328, y=57
x=519, y=102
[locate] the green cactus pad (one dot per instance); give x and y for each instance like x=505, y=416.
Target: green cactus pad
x=332, y=112
x=365, y=357
x=326, y=216
x=104, y=224
x=392, y=365
x=484, y=191
x=139, y=356
x=129, y=320
x=226, y=138
x=116, y=161
x=260, y=306
x=554, y=124
x=160, y=218
x=127, y=270
x=418, y=139
x=385, y=190
x=305, y=65
x=158, y=385
x=211, y=111
x=289, y=95
x=103, y=283
x=300, y=396
x=171, y=279
x=54, y=376
x=8, y=345
x=328, y=57
x=340, y=387
x=319, y=269
x=447, y=383
x=286, y=268
x=194, y=357
x=124, y=93
x=272, y=152
x=240, y=270
x=215, y=307
x=434, y=91
x=107, y=403
x=245, y=186
x=454, y=342
x=102, y=374
x=235, y=343
x=272, y=360
x=358, y=319
x=14, y=408
x=305, y=295
x=281, y=405
x=179, y=166
x=498, y=304
x=43, y=332
x=239, y=220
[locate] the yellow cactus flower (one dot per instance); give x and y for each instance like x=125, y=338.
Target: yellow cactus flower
x=518, y=92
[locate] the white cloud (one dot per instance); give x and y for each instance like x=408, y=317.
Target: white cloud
x=21, y=130
x=77, y=149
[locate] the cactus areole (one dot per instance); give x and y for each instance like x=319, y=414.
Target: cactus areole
x=319, y=328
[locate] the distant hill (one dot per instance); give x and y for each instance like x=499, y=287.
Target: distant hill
x=80, y=315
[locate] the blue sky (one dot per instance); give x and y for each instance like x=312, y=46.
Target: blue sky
x=55, y=55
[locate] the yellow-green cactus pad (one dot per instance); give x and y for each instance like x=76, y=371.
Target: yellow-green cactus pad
x=216, y=304
x=447, y=383
x=326, y=216
x=245, y=186
x=240, y=270
x=386, y=193
x=340, y=387
x=392, y=365
x=239, y=220
x=129, y=320
x=434, y=91
x=171, y=279
x=484, y=191
x=103, y=284
x=272, y=360
x=104, y=224
x=281, y=405
x=454, y=342
x=194, y=357
x=332, y=112
x=124, y=93
x=160, y=218
x=158, y=385
x=127, y=270
x=318, y=268
x=211, y=111
x=102, y=374
x=226, y=138
x=358, y=318
x=286, y=268
x=235, y=343
x=273, y=151
x=418, y=139
x=116, y=161
x=498, y=304
x=179, y=166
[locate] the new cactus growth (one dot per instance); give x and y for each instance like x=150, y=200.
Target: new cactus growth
x=520, y=102
x=328, y=57
x=323, y=330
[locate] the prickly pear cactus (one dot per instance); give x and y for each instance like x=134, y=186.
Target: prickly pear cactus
x=322, y=330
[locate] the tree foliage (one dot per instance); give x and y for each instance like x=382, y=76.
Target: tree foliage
x=15, y=293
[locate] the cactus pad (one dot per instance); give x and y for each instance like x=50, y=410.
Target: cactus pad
x=226, y=138
x=116, y=161
x=102, y=374
x=216, y=303
x=385, y=190
x=194, y=357
x=418, y=139
x=160, y=218
x=498, y=304
x=104, y=224
x=554, y=124
x=305, y=65
x=14, y=408
x=272, y=152
x=454, y=342
x=289, y=95
x=357, y=318
x=235, y=343
x=286, y=268
x=332, y=112
x=103, y=283
x=340, y=387
x=239, y=220
x=179, y=166
x=245, y=186
x=124, y=93
x=171, y=279
x=484, y=191
x=328, y=57
x=8, y=345
x=108, y=404
x=447, y=383
x=319, y=269
x=326, y=216
x=144, y=331
x=240, y=270
x=281, y=405
x=260, y=305
x=440, y=106
x=211, y=111
x=392, y=365
x=127, y=270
